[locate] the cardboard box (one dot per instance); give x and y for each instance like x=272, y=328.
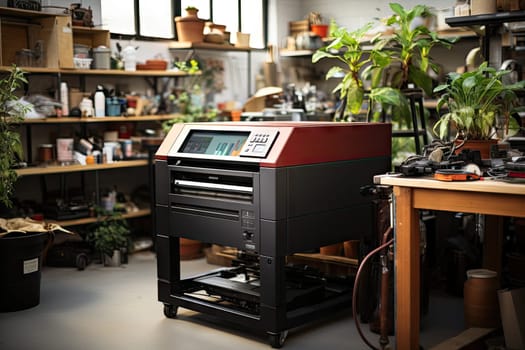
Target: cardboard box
x=512, y=308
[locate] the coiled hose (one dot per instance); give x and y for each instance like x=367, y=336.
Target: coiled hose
x=383, y=340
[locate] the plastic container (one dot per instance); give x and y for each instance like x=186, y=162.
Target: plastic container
x=65, y=150
x=82, y=63
x=100, y=103
x=101, y=58
x=64, y=98
x=112, y=106
x=129, y=53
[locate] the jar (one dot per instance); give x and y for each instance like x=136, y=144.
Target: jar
x=24, y=58
x=480, y=295
x=45, y=153
x=101, y=57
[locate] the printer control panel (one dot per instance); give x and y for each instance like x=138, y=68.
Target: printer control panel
x=259, y=143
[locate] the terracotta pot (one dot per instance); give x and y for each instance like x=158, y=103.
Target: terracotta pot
x=320, y=29
x=483, y=146
x=480, y=302
x=190, y=28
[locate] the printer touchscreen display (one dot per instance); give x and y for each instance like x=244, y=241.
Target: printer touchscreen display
x=215, y=143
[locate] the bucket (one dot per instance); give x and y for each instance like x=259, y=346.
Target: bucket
x=480, y=302
x=20, y=270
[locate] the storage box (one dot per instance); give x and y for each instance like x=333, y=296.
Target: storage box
x=297, y=27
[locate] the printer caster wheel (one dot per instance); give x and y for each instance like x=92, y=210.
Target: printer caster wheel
x=170, y=311
x=277, y=339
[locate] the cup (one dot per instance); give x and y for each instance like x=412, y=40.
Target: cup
x=243, y=39
x=65, y=150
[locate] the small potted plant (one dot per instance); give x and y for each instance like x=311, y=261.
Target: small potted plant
x=109, y=237
x=474, y=100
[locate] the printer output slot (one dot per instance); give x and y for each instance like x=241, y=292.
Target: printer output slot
x=231, y=215
x=209, y=186
x=212, y=185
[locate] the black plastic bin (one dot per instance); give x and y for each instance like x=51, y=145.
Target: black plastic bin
x=20, y=270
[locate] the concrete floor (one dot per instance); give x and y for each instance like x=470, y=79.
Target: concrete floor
x=117, y=308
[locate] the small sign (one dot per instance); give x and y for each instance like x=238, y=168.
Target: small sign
x=30, y=266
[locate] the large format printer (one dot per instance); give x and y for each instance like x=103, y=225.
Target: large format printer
x=269, y=189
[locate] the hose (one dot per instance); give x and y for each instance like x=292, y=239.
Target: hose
x=384, y=294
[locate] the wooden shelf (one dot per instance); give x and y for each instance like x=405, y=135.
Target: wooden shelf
x=179, y=45
x=109, y=72
x=79, y=168
x=89, y=220
x=295, y=53
x=442, y=34
x=66, y=120
x=19, y=13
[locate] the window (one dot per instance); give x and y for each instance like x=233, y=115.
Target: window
x=118, y=17
x=155, y=17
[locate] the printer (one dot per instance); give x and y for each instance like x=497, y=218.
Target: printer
x=269, y=189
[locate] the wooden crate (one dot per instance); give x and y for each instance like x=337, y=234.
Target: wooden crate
x=52, y=32
x=296, y=27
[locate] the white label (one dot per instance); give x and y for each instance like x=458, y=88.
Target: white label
x=67, y=30
x=30, y=266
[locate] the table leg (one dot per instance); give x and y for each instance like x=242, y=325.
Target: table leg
x=407, y=267
x=493, y=243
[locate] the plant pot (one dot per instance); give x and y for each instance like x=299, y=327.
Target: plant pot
x=483, y=146
x=189, y=28
x=113, y=260
x=320, y=29
x=20, y=270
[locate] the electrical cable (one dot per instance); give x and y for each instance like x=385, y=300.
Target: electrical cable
x=356, y=284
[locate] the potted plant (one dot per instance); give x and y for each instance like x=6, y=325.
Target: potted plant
x=406, y=51
x=474, y=100
x=109, y=237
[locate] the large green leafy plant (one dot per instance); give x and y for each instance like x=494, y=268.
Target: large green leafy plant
x=406, y=52
x=474, y=100
x=11, y=113
x=408, y=48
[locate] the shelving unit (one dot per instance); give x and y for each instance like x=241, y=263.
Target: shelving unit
x=490, y=26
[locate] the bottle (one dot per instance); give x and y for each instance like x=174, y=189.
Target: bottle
x=64, y=98
x=100, y=102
